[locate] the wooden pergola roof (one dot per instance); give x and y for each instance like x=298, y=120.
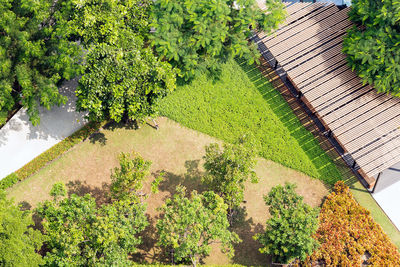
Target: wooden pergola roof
x=308, y=47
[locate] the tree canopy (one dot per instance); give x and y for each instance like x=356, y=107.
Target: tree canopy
x=34, y=55
x=190, y=224
x=123, y=81
x=289, y=232
x=81, y=234
x=228, y=170
x=201, y=34
x=373, y=46
x=19, y=242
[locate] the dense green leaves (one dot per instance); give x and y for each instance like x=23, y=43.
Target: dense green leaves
x=34, y=55
x=18, y=240
x=82, y=234
x=288, y=234
x=229, y=169
x=372, y=48
x=189, y=225
x=201, y=34
x=105, y=21
x=125, y=81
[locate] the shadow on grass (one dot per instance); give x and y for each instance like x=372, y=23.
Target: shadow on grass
x=101, y=194
x=191, y=179
x=329, y=165
x=246, y=252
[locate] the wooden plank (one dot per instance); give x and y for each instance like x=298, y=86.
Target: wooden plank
x=329, y=65
x=377, y=112
x=363, y=106
x=387, y=159
x=374, y=149
x=370, y=130
x=301, y=27
x=338, y=67
x=312, y=85
x=343, y=117
x=381, y=116
x=307, y=9
x=313, y=59
x=304, y=55
x=338, y=95
x=314, y=42
x=287, y=27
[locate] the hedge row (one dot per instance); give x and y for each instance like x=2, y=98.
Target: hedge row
x=49, y=155
x=349, y=236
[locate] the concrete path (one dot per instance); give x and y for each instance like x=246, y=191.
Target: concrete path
x=20, y=142
x=387, y=193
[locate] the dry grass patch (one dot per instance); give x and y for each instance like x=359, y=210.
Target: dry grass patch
x=178, y=152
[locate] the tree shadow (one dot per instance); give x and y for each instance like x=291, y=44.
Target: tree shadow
x=101, y=194
x=149, y=251
x=247, y=252
x=191, y=179
x=98, y=137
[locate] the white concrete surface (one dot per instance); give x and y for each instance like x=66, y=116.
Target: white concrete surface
x=20, y=142
x=387, y=193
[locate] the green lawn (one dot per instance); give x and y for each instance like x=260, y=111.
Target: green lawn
x=243, y=101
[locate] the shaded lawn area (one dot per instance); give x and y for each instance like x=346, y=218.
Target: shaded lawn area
x=177, y=151
x=243, y=101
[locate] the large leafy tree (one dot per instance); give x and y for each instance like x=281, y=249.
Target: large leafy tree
x=229, y=169
x=201, y=34
x=189, y=225
x=82, y=234
x=18, y=240
x=34, y=55
x=105, y=21
x=373, y=47
x=289, y=232
x=123, y=81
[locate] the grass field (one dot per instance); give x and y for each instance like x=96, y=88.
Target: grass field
x=243, y=101
x=178, y=152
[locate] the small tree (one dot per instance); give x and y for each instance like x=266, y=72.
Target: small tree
x=18, y=240
x=289, y=231
x=127, y=179
x=203, y=34
x=229, y=169
x=82, y=234
x=190, y=225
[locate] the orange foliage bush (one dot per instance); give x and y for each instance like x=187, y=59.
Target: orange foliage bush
x=347, y=232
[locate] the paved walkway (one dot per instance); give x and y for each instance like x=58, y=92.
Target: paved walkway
x=387, y=193
x=20, y=142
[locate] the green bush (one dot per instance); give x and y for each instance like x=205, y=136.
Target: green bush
x=8, y=181
x=243, y=101
x=49, y=155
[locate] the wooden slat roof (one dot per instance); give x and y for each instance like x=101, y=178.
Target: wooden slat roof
x=308, y=46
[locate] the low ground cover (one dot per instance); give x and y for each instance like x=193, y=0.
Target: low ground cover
x=243, y=101
x=178, y=152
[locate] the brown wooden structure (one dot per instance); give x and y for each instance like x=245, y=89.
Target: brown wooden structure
x=306, y=52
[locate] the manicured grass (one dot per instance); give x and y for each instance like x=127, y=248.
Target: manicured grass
x=177, y=151
x=243, y=101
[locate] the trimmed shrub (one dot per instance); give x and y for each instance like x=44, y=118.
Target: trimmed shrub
x=9, y=181
x=349, y=236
